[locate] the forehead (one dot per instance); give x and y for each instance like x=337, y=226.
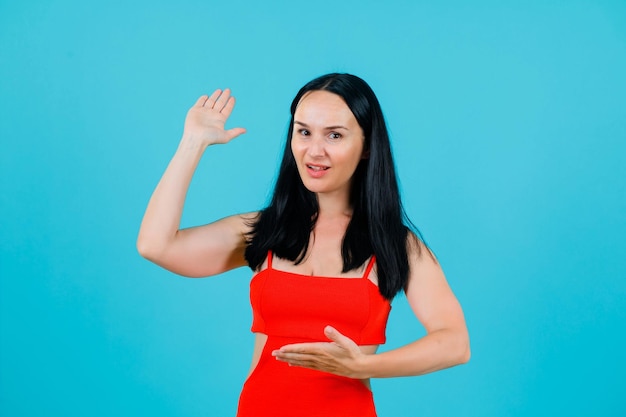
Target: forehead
x=323, y=107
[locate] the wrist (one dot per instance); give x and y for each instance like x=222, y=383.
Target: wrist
x=365, y=366
x=192, y=143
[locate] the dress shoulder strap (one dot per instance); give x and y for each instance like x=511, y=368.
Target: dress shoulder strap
x=370, y=265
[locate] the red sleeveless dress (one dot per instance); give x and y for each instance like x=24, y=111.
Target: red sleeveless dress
x=294, y=308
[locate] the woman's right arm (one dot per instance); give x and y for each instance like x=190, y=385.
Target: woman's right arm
x=203, y=250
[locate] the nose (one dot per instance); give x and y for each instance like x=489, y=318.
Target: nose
x=316, y=147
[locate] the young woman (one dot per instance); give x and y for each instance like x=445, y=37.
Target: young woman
x=329, y=253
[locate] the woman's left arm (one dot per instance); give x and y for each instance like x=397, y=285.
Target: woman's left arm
x=446, y=343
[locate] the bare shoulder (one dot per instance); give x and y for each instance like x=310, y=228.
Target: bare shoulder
x=419, y=254
x=426, y=277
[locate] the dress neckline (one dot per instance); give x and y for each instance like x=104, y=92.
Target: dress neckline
x=365, y=275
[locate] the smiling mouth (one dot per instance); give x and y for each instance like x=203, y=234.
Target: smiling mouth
x=317, y=168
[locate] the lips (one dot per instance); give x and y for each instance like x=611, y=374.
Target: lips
x=317, y=167
x=316, y=171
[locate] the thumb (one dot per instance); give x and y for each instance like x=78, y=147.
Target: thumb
x=334, y=335
x=233, y=133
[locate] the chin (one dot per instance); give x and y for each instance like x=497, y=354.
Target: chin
x=314, y=189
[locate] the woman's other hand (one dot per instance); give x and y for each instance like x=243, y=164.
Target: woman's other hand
x=341, y=356
x=206, y=120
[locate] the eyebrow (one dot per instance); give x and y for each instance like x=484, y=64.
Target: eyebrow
x=327, y=127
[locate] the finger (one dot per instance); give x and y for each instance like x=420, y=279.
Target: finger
x=293, y=357
x=222, y=100
x=203, y=98
x=334, y=335
x=228, y=107
x=297, y=359
x=301, y=348
x=309, y=361
x=213, y=98
x=340, y=340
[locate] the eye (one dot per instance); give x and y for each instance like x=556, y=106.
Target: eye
x=334, y=135
x=304, y=132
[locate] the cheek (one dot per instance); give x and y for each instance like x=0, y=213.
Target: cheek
x=357, y=154
x=294, y=149
x=297, y=152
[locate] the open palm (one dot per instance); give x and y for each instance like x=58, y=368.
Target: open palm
x=207, y=118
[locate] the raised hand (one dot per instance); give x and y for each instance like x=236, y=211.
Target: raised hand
x=206, y=119
x=341, y=356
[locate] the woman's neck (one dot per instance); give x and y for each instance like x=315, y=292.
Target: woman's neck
x=333, y=206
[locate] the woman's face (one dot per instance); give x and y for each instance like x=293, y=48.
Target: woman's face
x=327, y=143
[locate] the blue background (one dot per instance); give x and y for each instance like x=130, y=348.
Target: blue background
x=508, y=122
